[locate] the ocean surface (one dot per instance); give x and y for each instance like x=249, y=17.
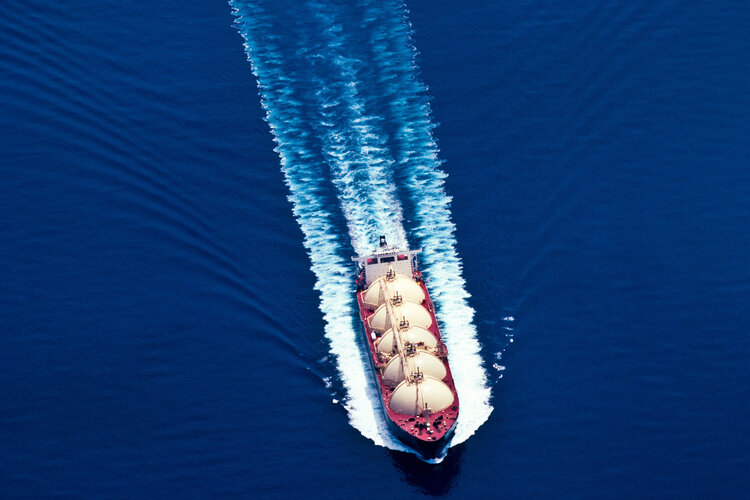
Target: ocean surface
x=183, y=185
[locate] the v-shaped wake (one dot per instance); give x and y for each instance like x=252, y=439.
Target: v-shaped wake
x=352, y=127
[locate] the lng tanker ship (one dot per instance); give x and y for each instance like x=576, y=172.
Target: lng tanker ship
x=407, y=356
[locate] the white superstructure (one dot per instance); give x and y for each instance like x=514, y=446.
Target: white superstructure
x=402, y=262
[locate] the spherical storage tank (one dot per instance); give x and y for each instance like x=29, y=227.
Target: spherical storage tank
x=414, y=335
x=423, y=361
x=413, y=398
x=407, y=288
x=415, y=314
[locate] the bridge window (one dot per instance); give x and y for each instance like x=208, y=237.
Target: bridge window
x=372, y=261
x=403, y=257
x=383, y=260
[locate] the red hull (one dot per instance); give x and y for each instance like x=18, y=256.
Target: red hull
x=431, y=440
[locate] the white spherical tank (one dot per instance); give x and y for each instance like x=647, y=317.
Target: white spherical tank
x=415, y=314
x=407, y=288
x=413, y=398
x=427, y=363
x=414, y=335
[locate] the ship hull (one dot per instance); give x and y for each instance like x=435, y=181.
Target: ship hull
x=428, y=441
x=428, y=450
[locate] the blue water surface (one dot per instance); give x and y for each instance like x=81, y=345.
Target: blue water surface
x=162, y=333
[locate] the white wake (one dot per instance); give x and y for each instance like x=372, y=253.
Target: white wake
x=333, y=148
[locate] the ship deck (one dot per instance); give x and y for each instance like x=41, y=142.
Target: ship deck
x=413, y=430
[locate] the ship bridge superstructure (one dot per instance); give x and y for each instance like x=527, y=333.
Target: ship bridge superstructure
x=401, y=262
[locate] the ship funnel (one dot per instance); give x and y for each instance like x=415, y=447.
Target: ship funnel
x=382, y=241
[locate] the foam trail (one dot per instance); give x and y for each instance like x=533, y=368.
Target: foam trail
x=417, y=157
x=335, y=150
x=286, y=116
x=355, y=149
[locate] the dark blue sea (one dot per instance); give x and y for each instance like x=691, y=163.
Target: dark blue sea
x=183, y=186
